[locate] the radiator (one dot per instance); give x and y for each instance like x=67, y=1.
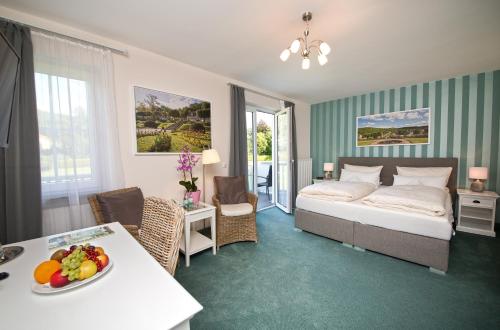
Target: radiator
x=304, y=173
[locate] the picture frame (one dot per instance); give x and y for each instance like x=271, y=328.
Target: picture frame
x=408, y=127
x=165, y=122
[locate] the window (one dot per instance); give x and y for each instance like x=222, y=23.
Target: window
x=65, y=132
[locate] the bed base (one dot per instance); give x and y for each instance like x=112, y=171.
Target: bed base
x=427, y=251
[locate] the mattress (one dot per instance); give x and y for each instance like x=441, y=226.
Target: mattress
x=409, y=222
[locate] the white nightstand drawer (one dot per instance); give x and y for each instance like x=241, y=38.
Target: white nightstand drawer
x=478, y=202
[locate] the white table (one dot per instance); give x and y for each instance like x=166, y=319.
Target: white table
x=136, y=293
x=192, y=241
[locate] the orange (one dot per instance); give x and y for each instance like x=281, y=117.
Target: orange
x=44, y=271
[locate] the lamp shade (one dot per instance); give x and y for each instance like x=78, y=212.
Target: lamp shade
x=328, y=167
x=478, y=173
x=306, y=63
x=210, y=156
x=285, y=55
x=295, y=46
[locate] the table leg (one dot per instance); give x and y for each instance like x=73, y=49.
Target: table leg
x=187, y=239
x=213, y=231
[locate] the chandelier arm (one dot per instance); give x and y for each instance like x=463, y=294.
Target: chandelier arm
x=317, y=41
x=317, y=47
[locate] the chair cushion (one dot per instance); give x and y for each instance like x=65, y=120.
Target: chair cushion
x=231, y=189
x=124, y=207
x=234, y=210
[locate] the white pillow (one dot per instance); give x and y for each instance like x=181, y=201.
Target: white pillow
x=425, y=171
x=353, y=176
x=429, y=181
x=364, y=169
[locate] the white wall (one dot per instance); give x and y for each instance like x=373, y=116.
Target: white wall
x=156, y=175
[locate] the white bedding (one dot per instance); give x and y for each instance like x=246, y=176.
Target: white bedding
x=338, y=191
x=409, y=222
x=411, y=198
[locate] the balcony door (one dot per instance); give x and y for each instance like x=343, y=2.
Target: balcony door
x=269, y=161
x=260, y=146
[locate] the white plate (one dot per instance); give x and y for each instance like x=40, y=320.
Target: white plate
x=47, y=289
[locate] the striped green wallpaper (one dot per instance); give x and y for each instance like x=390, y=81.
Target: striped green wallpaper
x=465, y=122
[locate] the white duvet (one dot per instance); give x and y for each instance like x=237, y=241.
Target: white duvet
x=338, y=190
x=421, y=199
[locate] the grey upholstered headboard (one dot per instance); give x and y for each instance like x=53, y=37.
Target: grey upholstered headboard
x=386, y=176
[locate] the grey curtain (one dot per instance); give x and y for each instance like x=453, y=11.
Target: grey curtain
x=293, y=155
x=238, y=157
x=20, y=178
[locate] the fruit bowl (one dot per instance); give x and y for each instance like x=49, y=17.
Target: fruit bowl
x=46, y=288
x=68, y=269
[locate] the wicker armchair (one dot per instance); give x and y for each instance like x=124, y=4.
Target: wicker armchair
x=231, y=229
x=99, y=217
x=161, y=231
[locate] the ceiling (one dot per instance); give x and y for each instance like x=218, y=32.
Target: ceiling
x=376, y=44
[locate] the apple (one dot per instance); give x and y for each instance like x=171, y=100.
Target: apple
x=99, y=250
x=57, y=280
x=104, y=259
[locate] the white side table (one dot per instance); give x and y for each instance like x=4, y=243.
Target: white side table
x=192, y=241
x=476, y=212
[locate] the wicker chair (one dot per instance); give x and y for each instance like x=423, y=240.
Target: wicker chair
x=161, y=231
x=99, y=217
x=231, y=229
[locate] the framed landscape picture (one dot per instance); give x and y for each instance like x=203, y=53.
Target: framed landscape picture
x=394, y=128
x=165, y=122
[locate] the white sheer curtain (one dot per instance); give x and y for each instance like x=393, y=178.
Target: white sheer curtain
x=79, y=148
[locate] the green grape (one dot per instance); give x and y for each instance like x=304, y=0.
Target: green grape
x=71, y=264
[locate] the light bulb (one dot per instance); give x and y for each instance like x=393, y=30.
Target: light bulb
x=322, y=59
x=294, y=48
x=285, y=55
x=325, y=49
x=306, y=63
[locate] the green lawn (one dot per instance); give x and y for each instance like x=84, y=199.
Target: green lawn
x=412, y=140
x=144, y=143
x=179, y=140
x=418, y=140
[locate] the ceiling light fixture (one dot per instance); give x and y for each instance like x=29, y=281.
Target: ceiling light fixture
x=305, y=47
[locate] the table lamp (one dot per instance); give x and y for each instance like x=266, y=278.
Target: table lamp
x=209, y=156
x=479, y=175
x=328, y=170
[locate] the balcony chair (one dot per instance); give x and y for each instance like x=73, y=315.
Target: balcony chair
x=268, y=181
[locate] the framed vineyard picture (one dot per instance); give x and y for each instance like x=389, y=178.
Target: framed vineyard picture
x=166, y=122
x=394, y=128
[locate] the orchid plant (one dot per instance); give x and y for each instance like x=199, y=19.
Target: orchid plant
x=187, y=160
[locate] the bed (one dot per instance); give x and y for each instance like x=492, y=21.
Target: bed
x=409, y=236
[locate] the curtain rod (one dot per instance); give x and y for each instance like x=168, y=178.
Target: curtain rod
x=57, y=34
x=259, y=93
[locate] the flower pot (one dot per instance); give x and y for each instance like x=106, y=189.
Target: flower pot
x=195, y=195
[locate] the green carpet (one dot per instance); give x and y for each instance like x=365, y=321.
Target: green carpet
x=297, y=280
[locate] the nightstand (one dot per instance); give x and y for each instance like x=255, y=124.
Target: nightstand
x=476, y=212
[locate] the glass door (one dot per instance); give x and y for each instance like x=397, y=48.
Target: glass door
x=260, y=148
x=283, y=161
